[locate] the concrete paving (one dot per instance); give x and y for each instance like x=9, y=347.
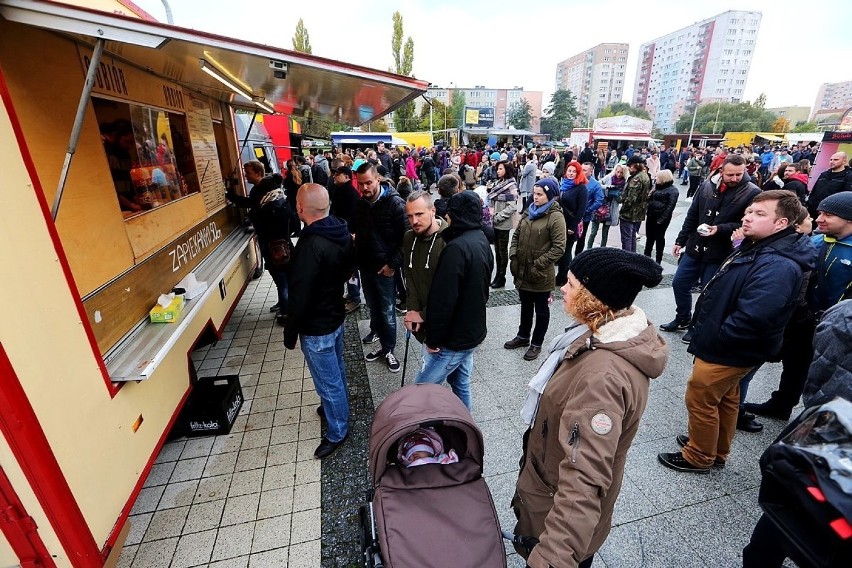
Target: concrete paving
x=256, y=497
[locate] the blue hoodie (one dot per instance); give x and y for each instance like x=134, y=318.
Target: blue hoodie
x=596, y=198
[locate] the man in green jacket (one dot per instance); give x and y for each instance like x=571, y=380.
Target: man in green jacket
x=421, y=247
x=634, y=204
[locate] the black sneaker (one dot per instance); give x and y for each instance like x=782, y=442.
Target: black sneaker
x=374, y=355
x=677, y=462
x=392, y=361
x=768, y=410
x=275, y=308
x=683, y=439
x=747, y=423
x=675, y=325
x=686, y=337
x=372, y=337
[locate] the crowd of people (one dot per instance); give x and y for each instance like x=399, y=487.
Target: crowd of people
x=426, y=234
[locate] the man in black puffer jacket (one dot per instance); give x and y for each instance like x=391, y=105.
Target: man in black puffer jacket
x=380, y=224
x=457, y=297
x=719, y=205
x=322, y=262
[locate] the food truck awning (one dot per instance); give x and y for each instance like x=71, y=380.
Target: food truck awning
x=626, y=137
x=221, y=67
x=770, y=137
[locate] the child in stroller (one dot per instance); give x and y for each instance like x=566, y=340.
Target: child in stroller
x=439, y=513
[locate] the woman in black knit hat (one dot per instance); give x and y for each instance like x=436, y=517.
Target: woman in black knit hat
x=583, y=408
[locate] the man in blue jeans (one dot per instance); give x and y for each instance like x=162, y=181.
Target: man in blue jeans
x=380, y=224
x=455, y=323
x=322, y=261
x=717, y=210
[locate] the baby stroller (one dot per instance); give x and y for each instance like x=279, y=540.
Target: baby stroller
x=432, y=514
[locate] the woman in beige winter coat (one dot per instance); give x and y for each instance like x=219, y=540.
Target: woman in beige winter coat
x=537, y=245
x=584, y=407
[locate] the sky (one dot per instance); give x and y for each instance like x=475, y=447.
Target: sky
x=504, y=45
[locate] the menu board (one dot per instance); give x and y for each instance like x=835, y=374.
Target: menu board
x=203, y=141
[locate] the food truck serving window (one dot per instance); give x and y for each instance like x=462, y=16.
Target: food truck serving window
x=149, y=154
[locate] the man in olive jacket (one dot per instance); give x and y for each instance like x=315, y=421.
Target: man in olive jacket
x=634, y=205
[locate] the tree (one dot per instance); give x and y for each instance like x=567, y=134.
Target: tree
x=403, y=64
x=806, y=127
x=456, y=109
x=378, y=125
x=721, y=117
x=781, y=124
x=760, y=102
x=301, y=39
x=519, y=115
x=439, y=116
x=559, y=116
x=620, y=109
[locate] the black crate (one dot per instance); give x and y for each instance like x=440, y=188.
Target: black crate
x=212, y=406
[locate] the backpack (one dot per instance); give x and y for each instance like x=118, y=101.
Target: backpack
x=487, y=223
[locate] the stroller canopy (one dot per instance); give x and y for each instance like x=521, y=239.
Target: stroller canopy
x=415, y=406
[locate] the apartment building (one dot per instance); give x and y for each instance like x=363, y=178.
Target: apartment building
x=498, y=99
x=706, y=62
x=833, y=96
x=595, y=77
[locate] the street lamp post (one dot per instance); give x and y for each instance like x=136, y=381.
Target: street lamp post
x=692, y=128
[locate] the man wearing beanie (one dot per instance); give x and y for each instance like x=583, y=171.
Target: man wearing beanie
x=831, y=283
x=457, y=298
x=739, y=323
x=583, y=408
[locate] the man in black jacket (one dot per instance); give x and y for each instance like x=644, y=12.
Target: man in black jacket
x=322, y=262
x=717, y=209
x=834, y=180
x=269, y=212
x=380, y=224
x=457, y=297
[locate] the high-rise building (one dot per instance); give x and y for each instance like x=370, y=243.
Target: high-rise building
x=500, y=100
x=707, y=61
x=595, y=77
x=833, y=96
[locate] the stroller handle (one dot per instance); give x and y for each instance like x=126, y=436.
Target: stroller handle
x=526, y=542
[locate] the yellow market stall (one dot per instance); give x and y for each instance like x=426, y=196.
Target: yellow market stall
x=118, y=144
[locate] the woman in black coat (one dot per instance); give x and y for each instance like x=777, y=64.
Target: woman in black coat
x=573, y=197
x=661, y=206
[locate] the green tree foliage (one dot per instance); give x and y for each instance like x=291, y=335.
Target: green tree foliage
x=620, y=109
x=559, y=116
x=404, y=117
x=732, y=117
x=520, y=115
x=440, y=112
x=806, y=127
x=760, y=101
x=378, y=125
x=301, y=39
x=455, y=119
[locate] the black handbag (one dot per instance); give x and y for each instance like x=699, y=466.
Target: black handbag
x=280, y=252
